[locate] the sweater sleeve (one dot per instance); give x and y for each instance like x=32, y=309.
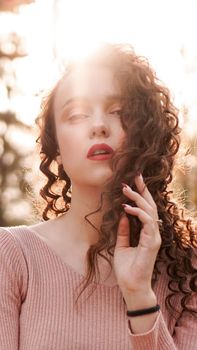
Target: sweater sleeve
x=159, y=337
x=12, y=290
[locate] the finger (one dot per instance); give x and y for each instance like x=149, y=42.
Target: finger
x=142, y=216
x=123, y=233
x=150, y=234
x=143, y=190
x=139, y=200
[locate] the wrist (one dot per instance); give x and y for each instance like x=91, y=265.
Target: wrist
x=143, y=312
x=140, y=300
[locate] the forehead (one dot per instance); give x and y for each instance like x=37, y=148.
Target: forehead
x=93, y=83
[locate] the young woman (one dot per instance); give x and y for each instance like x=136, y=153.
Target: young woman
x=115, y=268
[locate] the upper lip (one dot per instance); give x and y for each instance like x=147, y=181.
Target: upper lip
x=100, y=147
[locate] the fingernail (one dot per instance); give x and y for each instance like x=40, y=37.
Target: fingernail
x=126, y=187
x=125, y=206
x=123, y=184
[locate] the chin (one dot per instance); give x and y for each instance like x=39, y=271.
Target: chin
x=100, y=182
x=97, y=178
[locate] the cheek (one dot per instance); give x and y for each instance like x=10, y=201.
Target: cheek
x=70, y=157
x=71, y=148
x=66, y=138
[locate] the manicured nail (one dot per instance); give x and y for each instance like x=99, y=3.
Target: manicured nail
x=125, y=206
x=126, y=187
x=123, y=184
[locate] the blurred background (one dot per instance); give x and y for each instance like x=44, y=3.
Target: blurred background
x=37, y=37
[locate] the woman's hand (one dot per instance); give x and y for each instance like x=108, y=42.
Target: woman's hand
x=134, y=266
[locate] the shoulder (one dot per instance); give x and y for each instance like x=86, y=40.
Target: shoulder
x=50, y=231
x=13, y=266
x=19, y=235
x=18, y=243
x=11, y=239
x=8, y=239
x=43, y=229
x=14, y=236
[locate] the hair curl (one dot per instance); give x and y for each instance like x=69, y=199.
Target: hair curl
x=150, y=121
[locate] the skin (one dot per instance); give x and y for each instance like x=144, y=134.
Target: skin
x=80, y=125
x=91, y=119
x=134, y=266
x=86, y=114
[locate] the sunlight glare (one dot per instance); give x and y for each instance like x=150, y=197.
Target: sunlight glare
x=65, y=30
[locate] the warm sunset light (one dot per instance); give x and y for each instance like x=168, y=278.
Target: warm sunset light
x=54, y=31
x=98, y=173
x=165, y=33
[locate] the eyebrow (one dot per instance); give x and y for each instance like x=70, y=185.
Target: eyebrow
x=109, y=98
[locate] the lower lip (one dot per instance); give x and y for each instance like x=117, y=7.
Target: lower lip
x=100, y=157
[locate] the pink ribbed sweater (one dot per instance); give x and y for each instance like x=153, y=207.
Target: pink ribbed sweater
x=37, y=310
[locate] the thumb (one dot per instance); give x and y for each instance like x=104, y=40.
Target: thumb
x=123, y=232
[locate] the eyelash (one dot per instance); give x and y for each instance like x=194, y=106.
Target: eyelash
x=117, y=111
x=78, y=115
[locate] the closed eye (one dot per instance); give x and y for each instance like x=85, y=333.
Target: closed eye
x=116, y=111
x=78, y=115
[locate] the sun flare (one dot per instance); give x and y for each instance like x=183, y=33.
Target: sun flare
x=65, y=30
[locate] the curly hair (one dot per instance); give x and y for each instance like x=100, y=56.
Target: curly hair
x=150, y=121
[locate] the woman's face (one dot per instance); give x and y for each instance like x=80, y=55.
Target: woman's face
x=86, y=109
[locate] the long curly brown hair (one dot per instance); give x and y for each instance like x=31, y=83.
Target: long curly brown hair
x=150, y=121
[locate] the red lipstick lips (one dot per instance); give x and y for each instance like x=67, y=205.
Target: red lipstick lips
x=100, y=151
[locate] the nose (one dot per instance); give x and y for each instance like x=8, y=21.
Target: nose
x=99, y=126
x=99, y=130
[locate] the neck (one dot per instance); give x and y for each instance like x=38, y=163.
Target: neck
x=85, y=201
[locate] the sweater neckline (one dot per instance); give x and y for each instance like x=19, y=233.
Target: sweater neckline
x=62, y=262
